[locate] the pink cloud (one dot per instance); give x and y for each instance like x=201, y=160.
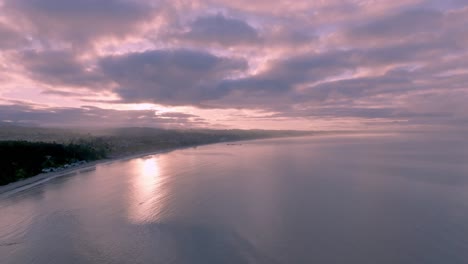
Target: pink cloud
x=344, y=63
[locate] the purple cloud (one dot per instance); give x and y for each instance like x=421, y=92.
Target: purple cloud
x=396, y=62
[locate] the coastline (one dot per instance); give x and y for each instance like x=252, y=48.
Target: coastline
x=39, y=179
x=25, y=184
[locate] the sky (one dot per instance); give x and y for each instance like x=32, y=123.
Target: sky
x=305, y=65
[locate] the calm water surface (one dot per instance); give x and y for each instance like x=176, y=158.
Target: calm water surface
x=325, y=199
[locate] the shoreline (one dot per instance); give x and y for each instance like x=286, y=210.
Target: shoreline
x=39, y=179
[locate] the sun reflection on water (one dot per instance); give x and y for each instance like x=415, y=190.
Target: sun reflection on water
x=145, y=190
x=150, y=168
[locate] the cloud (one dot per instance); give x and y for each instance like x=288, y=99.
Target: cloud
x=10, y=38
x=221, y=30
x=404, y=24
x=78, y=22
x=355, y=88
x=415, y=25
x=289, y=36
x=342, y=60
x=94, y=116
x=359, y=112
x=282, y=75
x=172, y=77
x=59, y=68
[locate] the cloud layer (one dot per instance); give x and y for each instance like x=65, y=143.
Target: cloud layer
x=323, y=64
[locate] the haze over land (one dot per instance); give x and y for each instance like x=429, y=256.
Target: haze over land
x=28, y=151
x=313, y=65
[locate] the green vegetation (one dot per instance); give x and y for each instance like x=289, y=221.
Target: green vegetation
x=25, y=152
x=21, y=159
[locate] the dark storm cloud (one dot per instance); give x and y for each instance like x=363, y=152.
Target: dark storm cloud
x=173, y=77
x=78, y=22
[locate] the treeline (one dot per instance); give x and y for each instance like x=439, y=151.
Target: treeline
x=22, y=159
x=25, y=152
